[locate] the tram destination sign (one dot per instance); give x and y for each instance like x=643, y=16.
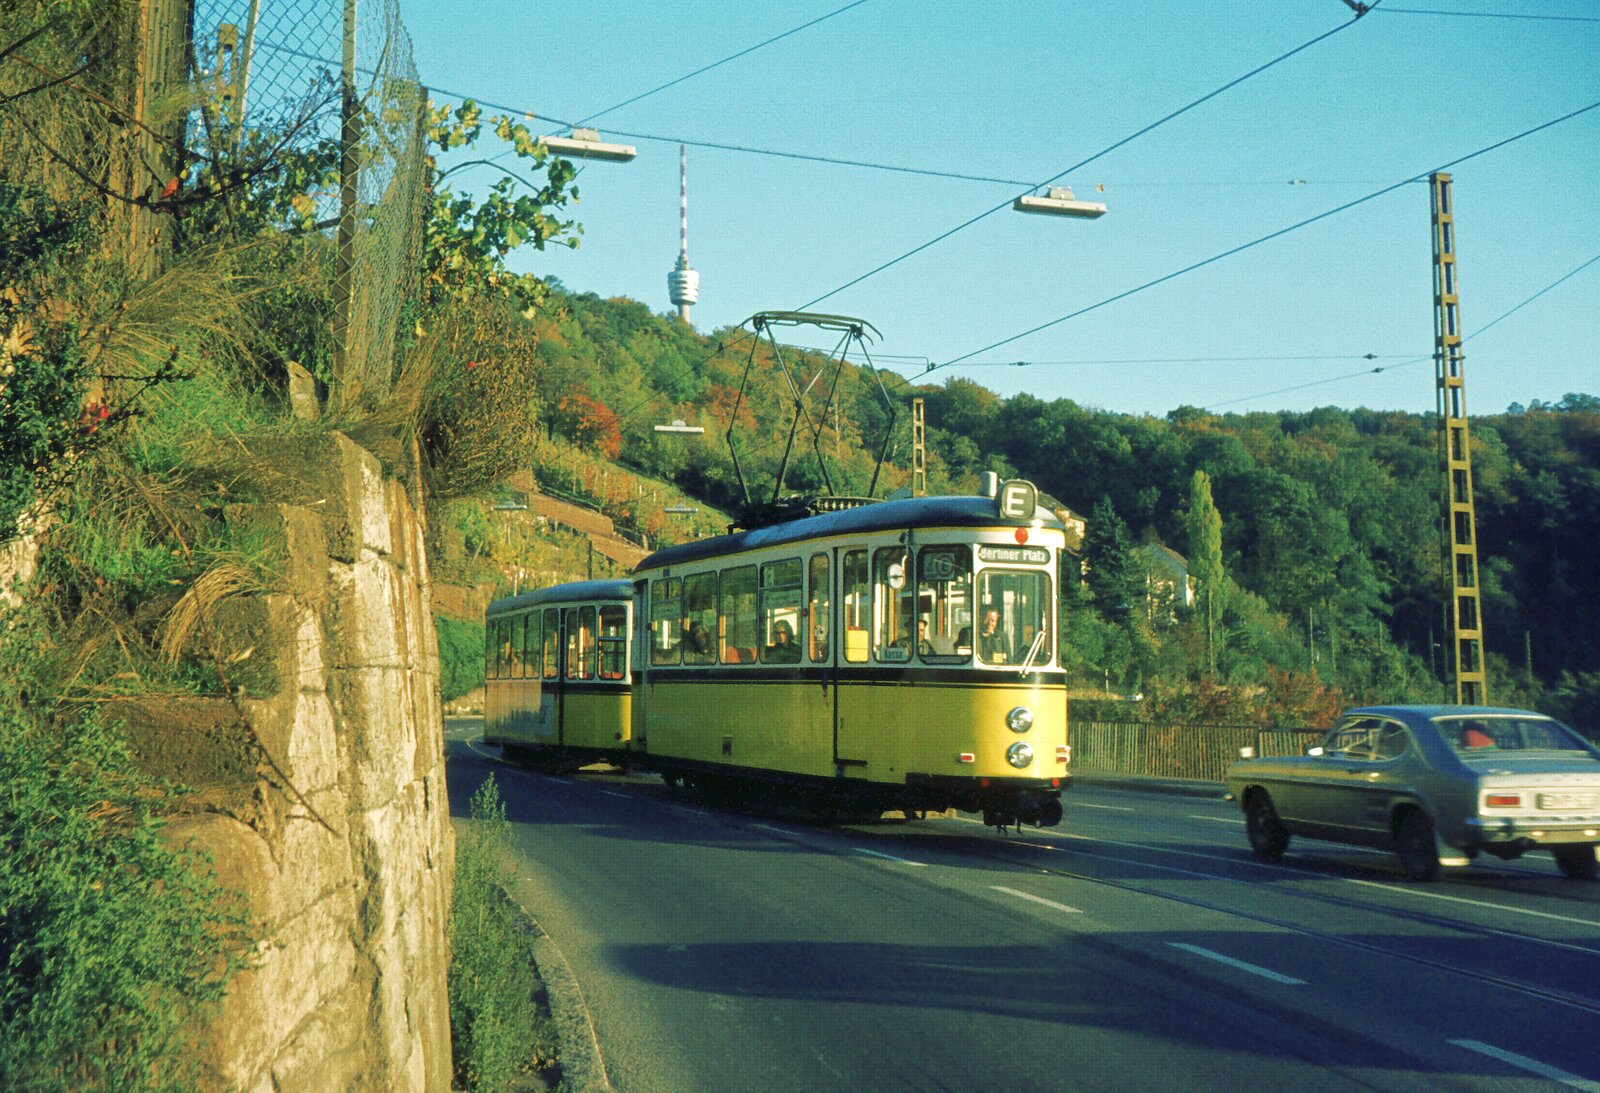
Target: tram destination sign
x=1014, y=555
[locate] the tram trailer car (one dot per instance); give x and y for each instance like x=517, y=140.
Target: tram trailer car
x=896, y=655
x=556, y=679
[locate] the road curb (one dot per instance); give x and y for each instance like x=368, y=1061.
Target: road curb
x=583, y=1070
x=1183, y=787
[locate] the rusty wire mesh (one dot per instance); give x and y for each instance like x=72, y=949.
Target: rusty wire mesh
x=1201, y=752
x=336, y=80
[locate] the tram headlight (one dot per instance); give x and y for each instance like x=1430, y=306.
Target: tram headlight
x=1020, y=754
x=1020, y=719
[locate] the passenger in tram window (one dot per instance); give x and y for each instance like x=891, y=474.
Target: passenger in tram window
x=994, y=644
x=924, y=646
x=784, y=649
x=699, y=638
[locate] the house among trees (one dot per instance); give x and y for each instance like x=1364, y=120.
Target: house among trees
x=1166, y=571
x=1076, y=525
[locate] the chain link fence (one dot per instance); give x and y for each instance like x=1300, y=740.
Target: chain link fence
x=329, y=90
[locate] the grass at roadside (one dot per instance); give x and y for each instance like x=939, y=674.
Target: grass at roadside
x=502, y=1039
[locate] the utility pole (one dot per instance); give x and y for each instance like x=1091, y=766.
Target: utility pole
x=1464, y=615
x=346, y=348
x=919, y=451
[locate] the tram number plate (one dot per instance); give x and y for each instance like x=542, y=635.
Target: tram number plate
x=1568, y=800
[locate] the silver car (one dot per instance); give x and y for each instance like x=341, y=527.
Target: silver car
x=1438, y=785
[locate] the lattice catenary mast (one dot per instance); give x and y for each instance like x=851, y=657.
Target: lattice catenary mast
x=683, y=283
x=1463, y=612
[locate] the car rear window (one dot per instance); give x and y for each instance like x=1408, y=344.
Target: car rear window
x=1479, y=735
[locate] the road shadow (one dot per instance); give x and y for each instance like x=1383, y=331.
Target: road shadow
x=1086, y=988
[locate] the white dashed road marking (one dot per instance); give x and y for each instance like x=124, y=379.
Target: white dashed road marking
x=1111, y=808
x=1037, y=899
x=1218, y=819
x=1253, y=969
x=1474, y=902
x=890, y=857
x=1532, y=1066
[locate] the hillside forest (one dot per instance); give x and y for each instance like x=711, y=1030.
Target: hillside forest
x=1323, y=587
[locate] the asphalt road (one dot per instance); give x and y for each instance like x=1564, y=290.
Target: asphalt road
x=1137, y=946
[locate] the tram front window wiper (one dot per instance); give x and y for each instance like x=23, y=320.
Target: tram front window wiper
x=1033, y=651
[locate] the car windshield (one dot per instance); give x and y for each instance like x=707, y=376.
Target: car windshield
x=1486, y=735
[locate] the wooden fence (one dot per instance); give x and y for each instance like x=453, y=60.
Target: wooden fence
x=1201, y=752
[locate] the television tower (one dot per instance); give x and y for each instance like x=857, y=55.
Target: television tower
x=683, y=283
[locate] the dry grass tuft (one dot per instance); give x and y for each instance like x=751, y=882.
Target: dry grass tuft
x=198, y=605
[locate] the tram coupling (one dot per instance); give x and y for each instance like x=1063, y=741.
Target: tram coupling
x=1041, y=810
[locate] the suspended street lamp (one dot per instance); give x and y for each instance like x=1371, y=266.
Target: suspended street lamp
x=1059, y=201
x=586, y=144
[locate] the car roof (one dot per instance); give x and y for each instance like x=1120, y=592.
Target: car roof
x=1430, y=713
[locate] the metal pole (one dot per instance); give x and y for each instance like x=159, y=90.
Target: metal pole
x=346, y=385
x=241, y=66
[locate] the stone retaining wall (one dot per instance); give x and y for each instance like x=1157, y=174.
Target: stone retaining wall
x=338, y=827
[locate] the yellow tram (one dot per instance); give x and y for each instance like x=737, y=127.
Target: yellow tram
x=556, y=680
x=888, y=655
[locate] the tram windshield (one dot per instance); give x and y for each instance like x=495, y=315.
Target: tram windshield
x=1013, y=610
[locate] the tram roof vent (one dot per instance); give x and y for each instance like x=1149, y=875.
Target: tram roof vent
x=988, y=484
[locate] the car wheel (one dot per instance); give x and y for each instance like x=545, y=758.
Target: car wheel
x=1577, y=861
x=1415, y=846
x=1268, y=837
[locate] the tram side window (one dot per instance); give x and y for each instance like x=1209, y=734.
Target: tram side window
x=613, y=642
x=502, y=647
x=552, y=644
x=489, y=648
x=1013, y=609
x=817, y=611
x=856, y=596
x=530, y=646
x=580, y=643
x=780, y=611
x=666, y=621
x=892, y=584
x=739, y=615
x=944, y=604
x=700, y=618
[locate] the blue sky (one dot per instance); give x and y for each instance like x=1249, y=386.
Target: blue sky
x=1023, y=90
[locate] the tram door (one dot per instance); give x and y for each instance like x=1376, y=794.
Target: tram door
x=549, y=722
x=639, y=669
x=852, y=605
x=571, y=666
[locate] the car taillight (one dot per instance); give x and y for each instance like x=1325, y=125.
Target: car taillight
x=1502, y=800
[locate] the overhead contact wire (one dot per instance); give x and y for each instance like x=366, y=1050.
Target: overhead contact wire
x=1268, y=237
x=1414, y=360
x=717, y=64
x=1236, y=81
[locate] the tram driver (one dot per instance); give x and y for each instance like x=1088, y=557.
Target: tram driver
x=994, y=644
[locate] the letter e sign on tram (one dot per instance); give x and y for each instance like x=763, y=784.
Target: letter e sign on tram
x=1017, y=500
